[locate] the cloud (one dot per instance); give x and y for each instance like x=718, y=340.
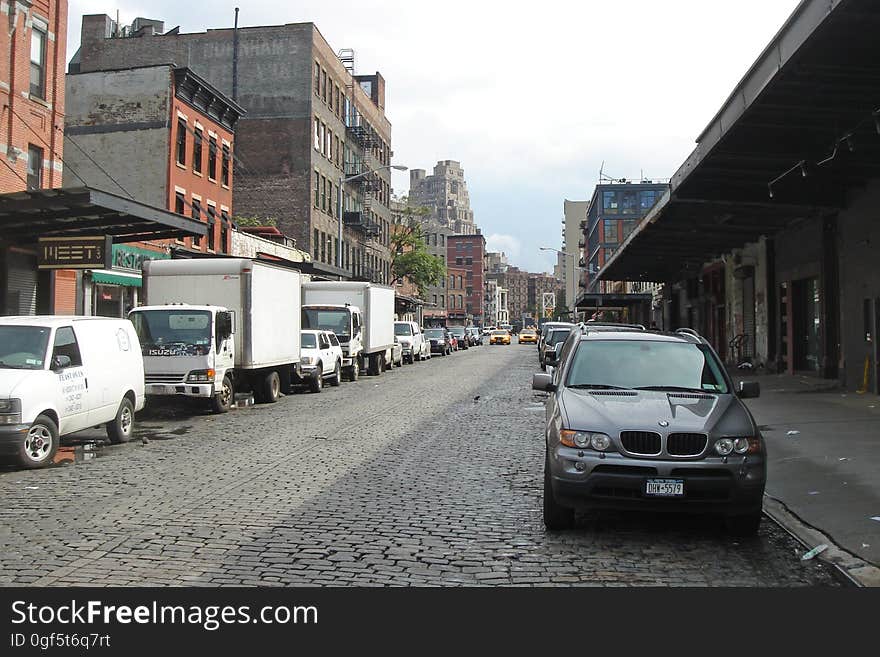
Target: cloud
x=507, y=244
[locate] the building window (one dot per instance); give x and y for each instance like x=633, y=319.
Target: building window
x=224, y=231
x=38, y=63
x=224, y=167
x=317, y=134
x=317, y=79
x=648, y=199
x=609, y=202
x=629, y=202
x=197, y=216
x=212, y=159
x=611, y=230
x=458, y=261
x=212, y=221
x=468, y=261
x=197, y=151
x=317, y=244
x=442, y=300
x=181, y=142
x=34, y=167
x=179, y=203
x=317, y=190
x=323, y=193
x=323, y=248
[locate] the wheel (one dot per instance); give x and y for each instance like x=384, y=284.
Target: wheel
x=271, y=388
x=556, y=517
x=317, y=382
x=355, y=370
x=746, y=525
x=40, y=444
x=222, y=401
x=119, y=429
x=337, y=375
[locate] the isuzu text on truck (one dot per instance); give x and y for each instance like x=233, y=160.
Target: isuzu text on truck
x=360, y=314
x=218, y=325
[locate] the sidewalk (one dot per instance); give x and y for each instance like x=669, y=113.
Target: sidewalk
x=823, y=462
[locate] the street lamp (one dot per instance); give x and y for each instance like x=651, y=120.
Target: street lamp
x=342, y=181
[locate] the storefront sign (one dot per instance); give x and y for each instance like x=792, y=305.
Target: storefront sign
x=75, y=252
x=129, y=258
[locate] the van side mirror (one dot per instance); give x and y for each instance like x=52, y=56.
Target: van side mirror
x=60, y=361
x=749, y=389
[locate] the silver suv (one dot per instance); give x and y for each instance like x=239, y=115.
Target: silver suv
x=648, y=420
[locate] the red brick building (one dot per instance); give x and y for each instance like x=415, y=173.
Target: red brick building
x=457, y=312
x=33, y=44
x=468, y=251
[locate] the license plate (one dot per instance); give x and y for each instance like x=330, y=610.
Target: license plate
x=664, y=487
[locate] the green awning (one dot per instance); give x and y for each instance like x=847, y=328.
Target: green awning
x=109, y=277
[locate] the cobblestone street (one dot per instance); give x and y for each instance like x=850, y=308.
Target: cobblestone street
x=427, y=475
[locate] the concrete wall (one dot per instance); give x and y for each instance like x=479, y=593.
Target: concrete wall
x=245, y=245
x=859, y=235
x=120, y=120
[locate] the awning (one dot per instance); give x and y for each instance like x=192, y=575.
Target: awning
x=795, y=137
x=82, y=211
x=609, y=300
x=109, y=277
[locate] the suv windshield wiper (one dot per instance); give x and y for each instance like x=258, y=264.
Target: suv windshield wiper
x=596, y=386
x=670, y=389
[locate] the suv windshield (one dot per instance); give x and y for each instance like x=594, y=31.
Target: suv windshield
x=23, y=347
x=434, y=333
x=646, y=364
x=457, y=331
x=402, y=329
x=308, y=341
x=173, y=332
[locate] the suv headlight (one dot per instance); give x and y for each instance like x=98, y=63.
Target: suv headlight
x=306, y=360
x=585, y=440
x=10, y=411
x=200, y=376
x=724, y=446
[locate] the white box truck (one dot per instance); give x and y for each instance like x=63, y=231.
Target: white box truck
x=361, y=315
x=217, y=325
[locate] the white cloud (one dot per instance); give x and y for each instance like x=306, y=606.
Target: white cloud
x=507, y=244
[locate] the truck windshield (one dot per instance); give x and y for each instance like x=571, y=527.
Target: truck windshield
x=332, y=319
x=173, y=332
x=23, y=347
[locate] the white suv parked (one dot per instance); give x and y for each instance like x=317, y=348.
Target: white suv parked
x=320, y=358
x=411, y=338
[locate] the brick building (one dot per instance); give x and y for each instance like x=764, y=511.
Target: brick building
x=537, y=286
x=516, y=282
x=310, y=123
x=469, y=251
x=33, y=42
x=458, y=312
x=436, y=237
x=162, y=135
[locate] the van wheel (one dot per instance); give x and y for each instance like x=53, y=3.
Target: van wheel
x=271, y=388
x=222, y=401
x=40, y=444
x=121, y=428
x=337, y=375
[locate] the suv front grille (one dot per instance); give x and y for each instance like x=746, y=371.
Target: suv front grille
x=645, y=443
x=686, y=444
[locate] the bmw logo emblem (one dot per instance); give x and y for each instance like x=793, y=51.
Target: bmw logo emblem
x=663, y=423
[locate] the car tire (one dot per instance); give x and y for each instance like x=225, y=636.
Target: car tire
x=40, y=444
x=271, y=384
x=746, y=525
x=121, y=428
x=337, y=375
x=222, y=401
x=316, y=383
x=556, y=517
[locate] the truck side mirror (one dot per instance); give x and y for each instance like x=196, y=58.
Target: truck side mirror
x=60, y=361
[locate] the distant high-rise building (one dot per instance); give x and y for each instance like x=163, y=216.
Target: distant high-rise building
x=445, y=194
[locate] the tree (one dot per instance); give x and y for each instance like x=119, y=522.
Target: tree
x=410, y=259
x=255, y=221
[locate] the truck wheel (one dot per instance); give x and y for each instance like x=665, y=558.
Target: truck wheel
x=337, y=375
x=374, y=364
x=271, y=388
x=222, y=401
x=119, y=429
x=355, y=370
x=40, y=444
x=316, y=384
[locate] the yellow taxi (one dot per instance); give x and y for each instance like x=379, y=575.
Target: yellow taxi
x=499, y=336
x=528, y=336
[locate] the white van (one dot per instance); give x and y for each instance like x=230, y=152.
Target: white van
x=60, y=374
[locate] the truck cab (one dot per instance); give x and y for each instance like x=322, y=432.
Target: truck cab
x=346, y=322
x=188, y=350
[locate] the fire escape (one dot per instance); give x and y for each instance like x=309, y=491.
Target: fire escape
x=361, y=133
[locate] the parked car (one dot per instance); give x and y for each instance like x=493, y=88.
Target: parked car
x=412, y=340
x=649, y=420
x=488, y=330
x=440, y=340
x=396, y=354
x=476, y=336
x=321, y=356
x=527, y=336
x=545, y=328
x=61, y=374
x=555, y=336
x=452, y=340
x=499, y=336
x=426, y=346
x=461, y=336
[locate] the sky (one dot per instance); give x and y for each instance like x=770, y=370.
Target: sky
x=532, y=98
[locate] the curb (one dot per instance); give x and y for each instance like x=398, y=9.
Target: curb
x=853, y=570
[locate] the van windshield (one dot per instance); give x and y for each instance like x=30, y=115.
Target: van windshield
x=173, y=332
x=23, y=347
x=331, y=319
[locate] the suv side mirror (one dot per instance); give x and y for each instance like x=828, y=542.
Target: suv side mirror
x=749, y=389
x=60, y=361
x=541, y=381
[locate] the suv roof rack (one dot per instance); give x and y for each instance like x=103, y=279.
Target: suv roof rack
x=690, y=331
x=638, y=327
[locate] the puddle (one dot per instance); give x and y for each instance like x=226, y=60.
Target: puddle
x=71, y=454
x=167, y=435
